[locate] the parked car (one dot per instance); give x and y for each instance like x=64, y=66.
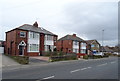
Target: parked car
x=99, y=54
x=115, y=53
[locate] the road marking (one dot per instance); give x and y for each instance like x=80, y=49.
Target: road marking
x=83, y=68
x=112, y=62
x=74, y=70
x=102, y=64
x=79, y=69
x=49, y=77
x=89, y=67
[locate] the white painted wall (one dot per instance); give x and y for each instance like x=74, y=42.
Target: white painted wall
x=75, y=46
x=1, y=50
x=83, y=45
x=48, y=42
x=33, y=41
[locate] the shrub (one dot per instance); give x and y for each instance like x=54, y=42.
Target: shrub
x=118, y=55
x=85, y=57
x=21, y=59
x=61, y=58
x=97, y=56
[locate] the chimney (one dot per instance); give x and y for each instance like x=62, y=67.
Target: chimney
x=74, y=35
x=35, y=24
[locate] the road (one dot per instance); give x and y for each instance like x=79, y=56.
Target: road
x=105, y=68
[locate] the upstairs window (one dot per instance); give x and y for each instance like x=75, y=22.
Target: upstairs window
x=22, y=34
x=48, y=37
x=76, y=43
x=92, y=45
x=34, y=35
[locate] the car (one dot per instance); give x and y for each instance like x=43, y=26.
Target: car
x=115, y=53
x=99, y=54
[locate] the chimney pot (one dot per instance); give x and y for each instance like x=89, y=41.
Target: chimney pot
x=35, y=24
x=74, y=35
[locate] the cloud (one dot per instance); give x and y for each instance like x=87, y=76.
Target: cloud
x=89, y=19
x=86, y=19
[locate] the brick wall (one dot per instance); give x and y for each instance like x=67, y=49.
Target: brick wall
x=65, y=45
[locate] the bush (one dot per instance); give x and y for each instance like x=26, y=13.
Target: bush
x=62, y=58
x=118, y=55
x=97, y=56
x=85, y=57
x=108, y=54
x=21, y=59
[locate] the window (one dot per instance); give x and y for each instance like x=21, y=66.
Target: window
x=33, y=48
x=83, y=51
x=22, y=34
x=83, y=45
x=75, y=50
x=48, y=37
x=34, y=35
x=76, y=43
x=92, y=45
x=48, y=48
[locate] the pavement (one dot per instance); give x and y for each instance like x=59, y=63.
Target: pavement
x=105, y=68
x=7, y=61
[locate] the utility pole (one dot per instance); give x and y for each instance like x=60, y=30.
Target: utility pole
x=102, y=40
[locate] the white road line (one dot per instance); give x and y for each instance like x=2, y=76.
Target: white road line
x=83, y=68
x=89, y=67
x=112, y=62
x=102, y=64
x=74, y=70
x=79, y=69
x=49, y=77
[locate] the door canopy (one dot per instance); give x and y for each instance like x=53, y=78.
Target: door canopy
x=22, y=43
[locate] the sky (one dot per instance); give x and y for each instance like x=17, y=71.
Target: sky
x=85, y=18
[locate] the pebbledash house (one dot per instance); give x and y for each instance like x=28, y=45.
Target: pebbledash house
x=29, y=40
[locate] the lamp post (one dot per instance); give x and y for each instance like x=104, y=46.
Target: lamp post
x=102, y=40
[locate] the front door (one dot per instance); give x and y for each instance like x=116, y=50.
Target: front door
x=21, y=50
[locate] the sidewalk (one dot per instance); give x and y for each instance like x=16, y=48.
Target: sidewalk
x=6, y=61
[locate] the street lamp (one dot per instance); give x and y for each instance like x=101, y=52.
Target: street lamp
x=102, y=40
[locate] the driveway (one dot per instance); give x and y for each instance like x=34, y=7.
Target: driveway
x=38, y=59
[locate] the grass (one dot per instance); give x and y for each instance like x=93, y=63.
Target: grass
x=20, y=59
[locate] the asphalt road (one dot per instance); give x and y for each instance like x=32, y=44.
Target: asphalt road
x=105, y=68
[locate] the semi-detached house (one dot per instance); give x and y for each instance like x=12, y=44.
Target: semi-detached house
x=71, y=44
x=29, y=40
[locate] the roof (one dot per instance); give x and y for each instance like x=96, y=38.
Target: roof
x=34, y=29
x=71, y=37
x=105, y=49
x=91, y=41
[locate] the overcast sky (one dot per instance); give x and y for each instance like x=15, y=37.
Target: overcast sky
x=62, y=17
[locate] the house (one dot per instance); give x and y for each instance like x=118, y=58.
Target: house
x=71, y=44
x=105, y=49
x=29, y=40
x=93, y=46
x=2, y=43
x=2, y=46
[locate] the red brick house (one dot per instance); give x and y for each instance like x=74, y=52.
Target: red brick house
x=71, y=44
x=29, y=40
x=93, y=46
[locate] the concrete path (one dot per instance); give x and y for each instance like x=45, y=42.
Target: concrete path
x=6, y=61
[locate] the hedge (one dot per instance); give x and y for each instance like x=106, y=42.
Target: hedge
x=62, y=58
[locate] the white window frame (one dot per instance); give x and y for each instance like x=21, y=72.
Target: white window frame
x=24, y=33
x=30, y=50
